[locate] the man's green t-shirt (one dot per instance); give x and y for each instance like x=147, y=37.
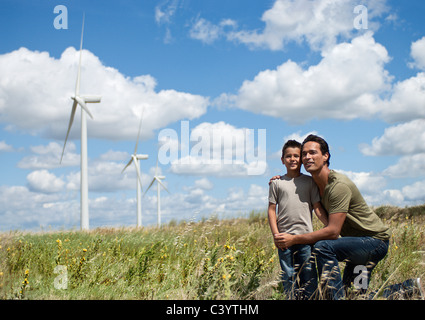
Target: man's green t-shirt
x=342, y=195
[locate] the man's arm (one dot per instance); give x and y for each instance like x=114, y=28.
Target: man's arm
x=321, y=213
x=330, y=232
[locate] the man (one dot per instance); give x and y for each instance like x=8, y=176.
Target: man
x=364, y=238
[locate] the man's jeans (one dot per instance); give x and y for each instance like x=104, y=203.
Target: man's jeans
x=298, y=272
x=359, y=253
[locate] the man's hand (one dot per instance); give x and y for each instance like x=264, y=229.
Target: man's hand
x=274, y=178
x=283, y=240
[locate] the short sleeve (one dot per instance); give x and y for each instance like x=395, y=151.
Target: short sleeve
x=273, y=193
x=339, y=199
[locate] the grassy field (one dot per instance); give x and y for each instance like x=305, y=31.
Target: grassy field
x=212, y=259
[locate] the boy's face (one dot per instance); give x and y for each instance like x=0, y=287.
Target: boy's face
x=292, y=159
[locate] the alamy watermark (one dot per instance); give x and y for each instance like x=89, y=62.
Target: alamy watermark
x=361, y=20
x=61, y=20
x=61, y=281
x=360, y=281
x=214, y=145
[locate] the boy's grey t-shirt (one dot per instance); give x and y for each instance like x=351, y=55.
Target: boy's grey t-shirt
x=294, y=198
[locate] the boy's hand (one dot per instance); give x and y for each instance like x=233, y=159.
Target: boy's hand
x=276, y=241
x=274, y=178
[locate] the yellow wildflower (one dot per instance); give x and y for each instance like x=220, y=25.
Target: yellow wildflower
x=225, y=276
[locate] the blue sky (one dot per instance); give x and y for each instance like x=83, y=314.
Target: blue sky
x=222, y=68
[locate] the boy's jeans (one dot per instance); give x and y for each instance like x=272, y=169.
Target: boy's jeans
x=359, y=253
x=298, y=272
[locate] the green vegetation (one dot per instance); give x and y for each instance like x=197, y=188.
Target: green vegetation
x=212, y=259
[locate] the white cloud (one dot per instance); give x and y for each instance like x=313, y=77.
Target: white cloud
x=45, y=101
x=320, y=23
x=344, y=85
x=23, y=209
x=367, y=182
x=48, y=157
x=45, y=182
x=4, y=147
x=407, y=100
x=197, y=203
x=298, y=136
x=373, y=189
x=392, y=196
x=165, y=11
x=106, y=176
x=417, y=51
x=208, y=32
x=415, y=191
x=204, y=184
x=112, y=155
x=205, y=31
x=407, y=166
x=104, y=173
x=403, y=139
x=407, y=96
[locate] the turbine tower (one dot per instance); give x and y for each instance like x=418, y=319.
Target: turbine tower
x=135, y=158
x=82, y=100
x=158, y=179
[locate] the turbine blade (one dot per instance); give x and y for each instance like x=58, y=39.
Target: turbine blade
x=156, y=168
x=138, y=133
x=131, y=160
x=153, y=180
x=159, y=181
x=82, y=32
x=77, y=86
x=82, y=103
x=71, y=119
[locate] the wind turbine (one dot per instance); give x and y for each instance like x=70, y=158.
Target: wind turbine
x=82, y=100
x=135, y=158
x=158, y=179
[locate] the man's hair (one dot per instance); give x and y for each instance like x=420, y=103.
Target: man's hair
x=290, y=144
x=324, y=148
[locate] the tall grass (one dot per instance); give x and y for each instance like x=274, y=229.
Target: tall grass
x=212, y=259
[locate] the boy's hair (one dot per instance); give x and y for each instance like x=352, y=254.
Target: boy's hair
x=290, y=144
x=324, y=148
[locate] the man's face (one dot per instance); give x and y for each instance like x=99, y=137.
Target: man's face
x=291, y=159
x=312, y=157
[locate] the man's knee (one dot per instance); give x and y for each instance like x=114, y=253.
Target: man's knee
x=322, y=247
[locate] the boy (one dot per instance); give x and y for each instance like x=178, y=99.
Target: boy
x=295, y=196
